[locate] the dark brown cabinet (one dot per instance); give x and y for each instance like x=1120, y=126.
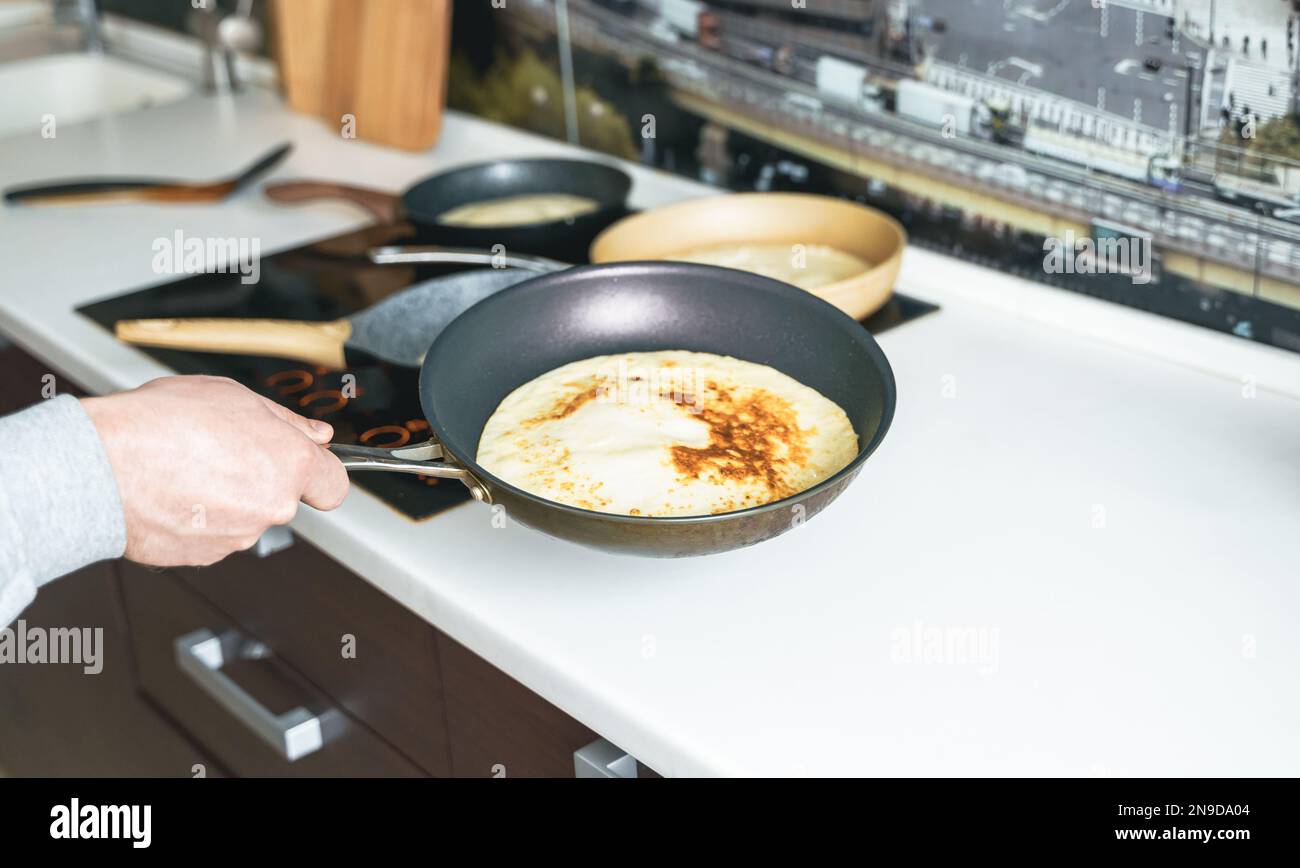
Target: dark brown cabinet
x=372, y=656
x=498, y=727
x=162, y=612
x=412, y=701
x=56, y=720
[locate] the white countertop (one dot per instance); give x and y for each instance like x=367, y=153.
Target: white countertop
x=1163, y=642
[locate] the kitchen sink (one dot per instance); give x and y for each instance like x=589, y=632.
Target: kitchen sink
x=17, y=13
x=76, y=87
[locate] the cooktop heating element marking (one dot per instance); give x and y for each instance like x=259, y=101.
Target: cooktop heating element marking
x=339, y=401
x=402, y=436
x=304, y=379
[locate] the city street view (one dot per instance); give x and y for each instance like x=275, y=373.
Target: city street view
x=987, y=126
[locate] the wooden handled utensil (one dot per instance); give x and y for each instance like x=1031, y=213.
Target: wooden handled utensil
x=90, y=191
x=397, y=329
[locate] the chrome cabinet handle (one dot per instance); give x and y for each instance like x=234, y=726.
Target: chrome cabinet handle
x=202, y=654
x=275, y=539
x=601, y=759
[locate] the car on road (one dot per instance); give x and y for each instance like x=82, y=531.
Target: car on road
x=803, y=101
x=1153, y=64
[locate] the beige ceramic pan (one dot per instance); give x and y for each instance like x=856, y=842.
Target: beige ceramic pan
x=797, y=218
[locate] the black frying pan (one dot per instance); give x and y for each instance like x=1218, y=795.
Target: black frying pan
x=533, y=327
x=424, y=202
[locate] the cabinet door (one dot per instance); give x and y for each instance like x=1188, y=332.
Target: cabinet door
x=375, y=658
x=56, y=720
x=498, y=727
x=216, y=711
x=25, y=380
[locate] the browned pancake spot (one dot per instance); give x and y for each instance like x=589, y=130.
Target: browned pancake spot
x=569, y=404
x=751, y=439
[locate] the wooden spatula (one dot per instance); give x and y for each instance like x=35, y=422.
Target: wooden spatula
x=98, y=190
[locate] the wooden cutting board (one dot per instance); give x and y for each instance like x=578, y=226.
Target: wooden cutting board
x=381, y=64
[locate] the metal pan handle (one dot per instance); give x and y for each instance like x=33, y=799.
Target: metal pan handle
x=423, y=459
x=415, y=254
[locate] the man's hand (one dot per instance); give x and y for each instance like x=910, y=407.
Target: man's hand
x=204, y=466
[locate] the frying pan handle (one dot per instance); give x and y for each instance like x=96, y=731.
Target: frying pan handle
x=384, y=206
x=409, y=254
x=424, y=459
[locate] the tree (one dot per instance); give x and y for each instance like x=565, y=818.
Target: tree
x=1277, y=137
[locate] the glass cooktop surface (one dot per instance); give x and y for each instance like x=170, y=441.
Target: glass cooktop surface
x=374, y=403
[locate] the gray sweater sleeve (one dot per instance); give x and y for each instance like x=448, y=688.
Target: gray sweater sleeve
x=59, y=504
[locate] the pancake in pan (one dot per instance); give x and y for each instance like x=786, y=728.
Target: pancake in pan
x=668, y=433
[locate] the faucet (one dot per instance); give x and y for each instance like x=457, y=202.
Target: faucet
x=222, y=36
x=86, y=14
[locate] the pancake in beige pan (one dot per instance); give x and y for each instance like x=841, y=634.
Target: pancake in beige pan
x=665, y=433
x=807, y=266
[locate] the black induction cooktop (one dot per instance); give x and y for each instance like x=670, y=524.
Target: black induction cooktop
x=378, y=403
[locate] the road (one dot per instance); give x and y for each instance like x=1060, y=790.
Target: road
x=1093, y=55
x=1199, y=227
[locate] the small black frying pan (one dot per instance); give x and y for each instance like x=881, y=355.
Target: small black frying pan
x=540, y=324
x=423, y=203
